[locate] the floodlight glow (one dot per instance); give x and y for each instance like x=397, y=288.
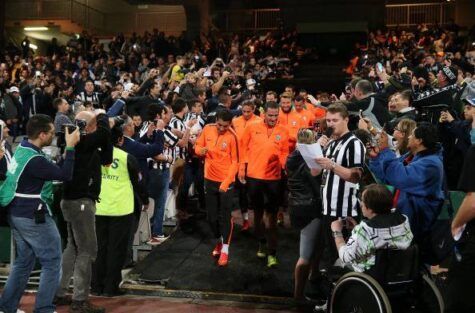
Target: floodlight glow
x=36, y=28
x=34, y=47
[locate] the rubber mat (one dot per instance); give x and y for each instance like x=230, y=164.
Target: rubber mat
x=184, y=261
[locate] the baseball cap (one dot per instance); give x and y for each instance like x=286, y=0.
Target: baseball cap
x=14, y=89
x=468, y=94
x=451, y=73
x=250, y=83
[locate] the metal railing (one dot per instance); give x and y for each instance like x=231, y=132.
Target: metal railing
x=423, y=13
x=72, y=10
x=248, y=20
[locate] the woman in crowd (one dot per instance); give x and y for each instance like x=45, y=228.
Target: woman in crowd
x=305, y=208
x=401, y=134
x=5, y=150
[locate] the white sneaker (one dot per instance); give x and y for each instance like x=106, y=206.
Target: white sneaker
x=157, y=240
x=321, y=307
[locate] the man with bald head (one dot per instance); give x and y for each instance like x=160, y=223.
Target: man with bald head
x=79, y=206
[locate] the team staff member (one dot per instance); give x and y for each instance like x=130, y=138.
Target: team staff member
x=114, y=216
x=265, y=146
x=27, y=195
x=290, y=119
x=239, y=125
x=307, y=118
x=219, y=145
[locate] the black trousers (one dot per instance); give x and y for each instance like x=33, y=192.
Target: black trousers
x=264, y=194
x=243, y=196
x=461, y=279
x=112, y=241
x=219, y=209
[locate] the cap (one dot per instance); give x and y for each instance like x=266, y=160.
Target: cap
x=250, y=83
x=451, y=73
x=468, y=94
x=14, y=89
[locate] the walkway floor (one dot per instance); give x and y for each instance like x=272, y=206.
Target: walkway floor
x=133, y=304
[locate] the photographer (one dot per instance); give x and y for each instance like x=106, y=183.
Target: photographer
x=79, y=207
x=27, y=195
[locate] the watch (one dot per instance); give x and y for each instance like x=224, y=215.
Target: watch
x=337, y=234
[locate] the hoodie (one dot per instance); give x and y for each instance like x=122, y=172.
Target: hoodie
x=384, y=231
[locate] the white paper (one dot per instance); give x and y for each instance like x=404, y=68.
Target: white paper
x=310, y=153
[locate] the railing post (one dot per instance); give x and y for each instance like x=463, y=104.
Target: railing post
x=255, y=20
x=227, y=21
x=441, y=22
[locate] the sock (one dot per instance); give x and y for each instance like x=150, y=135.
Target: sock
x=225, y=249
x=245, y=216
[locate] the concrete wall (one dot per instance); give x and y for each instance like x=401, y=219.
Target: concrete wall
x=465, y=12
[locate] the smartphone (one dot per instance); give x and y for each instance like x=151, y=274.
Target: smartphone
x=361, y=114
x=379, y=66
x=38, y=73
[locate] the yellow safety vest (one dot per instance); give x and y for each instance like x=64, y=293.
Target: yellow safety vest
x=117, y=194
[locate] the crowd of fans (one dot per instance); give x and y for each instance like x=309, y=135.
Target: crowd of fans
x=152, y=115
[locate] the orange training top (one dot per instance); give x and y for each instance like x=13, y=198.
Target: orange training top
x=222, y=157
x=239, y=124
x=306, y=117
x=291, y=121
x=265, y=149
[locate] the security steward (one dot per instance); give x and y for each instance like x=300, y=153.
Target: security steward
x=114, y=216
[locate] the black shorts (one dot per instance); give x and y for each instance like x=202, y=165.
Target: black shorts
x=264, y=194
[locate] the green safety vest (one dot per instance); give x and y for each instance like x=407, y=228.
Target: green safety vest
x=117, y=194
x=20, y=159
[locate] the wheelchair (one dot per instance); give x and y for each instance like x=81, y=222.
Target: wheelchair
x=395, y=284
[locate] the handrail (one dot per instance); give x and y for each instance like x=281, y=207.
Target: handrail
x=56, y=9
x=412, y=14
x=248, y=19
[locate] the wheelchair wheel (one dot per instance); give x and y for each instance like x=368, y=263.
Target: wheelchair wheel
x=359, y=293
x=429, y=298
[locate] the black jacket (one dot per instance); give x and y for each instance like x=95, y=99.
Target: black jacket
x=378, y=114
x=409, y=114
x=94, y=150
x=304, y=189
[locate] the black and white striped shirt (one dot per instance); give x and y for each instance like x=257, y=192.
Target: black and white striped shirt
x=201, y=118
x=339, y=197
x=93, y=98
x=178, y=124
x=171, y=140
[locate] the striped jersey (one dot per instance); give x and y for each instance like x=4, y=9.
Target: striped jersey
x=178, y=124
x=170, y=143
x=339, y=197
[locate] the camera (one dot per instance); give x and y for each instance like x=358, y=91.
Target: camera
x=80, y=124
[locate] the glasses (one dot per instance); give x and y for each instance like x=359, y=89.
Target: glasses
x=399, y=129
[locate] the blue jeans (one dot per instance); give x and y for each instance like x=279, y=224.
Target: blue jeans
x=158, y=185
x=33, y=241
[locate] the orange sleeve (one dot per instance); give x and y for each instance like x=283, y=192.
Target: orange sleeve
x=233, y=151
x=201, y=142
x=243, y=147
x=284, y=151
